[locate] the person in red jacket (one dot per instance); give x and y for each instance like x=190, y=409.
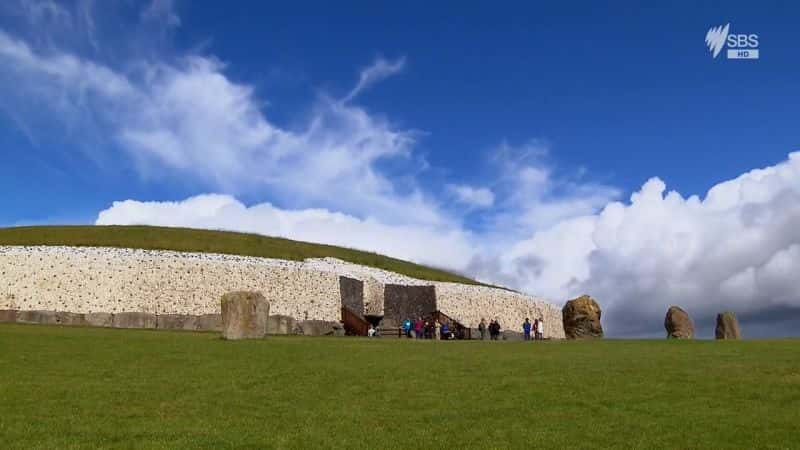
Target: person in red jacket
x=419, y=328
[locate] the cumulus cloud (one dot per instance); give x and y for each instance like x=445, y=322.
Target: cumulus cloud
x=540, y=228
x=476, y=197
x=425, y=244
x=379, y=70
x=736, y=249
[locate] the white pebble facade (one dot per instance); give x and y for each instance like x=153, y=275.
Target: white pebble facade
x=111, y=280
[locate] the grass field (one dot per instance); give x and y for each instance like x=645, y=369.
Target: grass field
x=206, y=241
x=80, y=387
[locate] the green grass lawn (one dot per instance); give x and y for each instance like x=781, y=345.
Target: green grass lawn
x=207, y=241
x=66, y=387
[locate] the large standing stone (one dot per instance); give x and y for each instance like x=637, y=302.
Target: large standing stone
x=727, y=326
x=244, y=315
x=678, y=324
x=581, y=317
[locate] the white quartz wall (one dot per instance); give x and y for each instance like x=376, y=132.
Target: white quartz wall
x=468, y=304
x=91, y=279
x=88, y=279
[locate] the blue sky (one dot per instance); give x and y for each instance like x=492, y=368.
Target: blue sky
x=498, y=139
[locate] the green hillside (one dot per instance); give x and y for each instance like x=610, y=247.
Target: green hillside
x=207, y=241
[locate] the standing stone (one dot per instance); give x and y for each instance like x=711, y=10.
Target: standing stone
x=678, y=324
x=727, y=326
x=581, y=317
x=244, y=315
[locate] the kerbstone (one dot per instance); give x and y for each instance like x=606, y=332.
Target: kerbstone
x=99, y=319
x=70, y=318
x=40, y=317
x=279, y=324
x=8, y=315
x=176, y=322
x=244, y=315
x=134, y=320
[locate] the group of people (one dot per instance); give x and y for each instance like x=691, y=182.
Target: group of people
x=426, y=329
x=536, y=329
x=494, y=329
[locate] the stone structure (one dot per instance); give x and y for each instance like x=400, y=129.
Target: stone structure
x=402, y=302
x=352, y=294
x=174, y=290
x=244, y=315
x=678, y=324
x=727, y=326
x=581, y=317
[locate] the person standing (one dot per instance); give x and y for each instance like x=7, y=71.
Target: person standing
x=536, y=329
x=526, y=329
x=419, y=328
x=540, y=329
x=438, y=332
x=482, y=329
x=407, y=328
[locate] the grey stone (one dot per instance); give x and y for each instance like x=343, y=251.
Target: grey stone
x=8, y=315
x=727, y=326
x=41, y=317
x=320, y=328
x=279, y=324
x=209, y=322
x=134, y=320
x=581, y=318
x=244, y=315
x=352, y=294
x=176, y=322
x=401, y=302
x=99, y=319
x=69, y=318
x=678, y=324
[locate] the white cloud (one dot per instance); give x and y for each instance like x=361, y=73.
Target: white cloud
x=379, y=70
x=425, y=244
x=738, y=249
x=188, y=118
x=477, y=197
x=162, y=11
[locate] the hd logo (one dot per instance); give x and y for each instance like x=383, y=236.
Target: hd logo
x=739, y=46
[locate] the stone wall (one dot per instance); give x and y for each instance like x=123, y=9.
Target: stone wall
x=87, y=280
x=171, y=284
x=468, y=304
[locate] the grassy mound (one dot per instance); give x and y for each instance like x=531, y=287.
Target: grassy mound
x=66, y=387
x=206, y=241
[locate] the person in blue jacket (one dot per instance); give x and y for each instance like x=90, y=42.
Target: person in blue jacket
x=407, y=327
x=526, y=328
x=445, y=331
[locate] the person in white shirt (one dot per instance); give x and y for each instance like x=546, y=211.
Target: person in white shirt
x=540, y=329
x=371, y=331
